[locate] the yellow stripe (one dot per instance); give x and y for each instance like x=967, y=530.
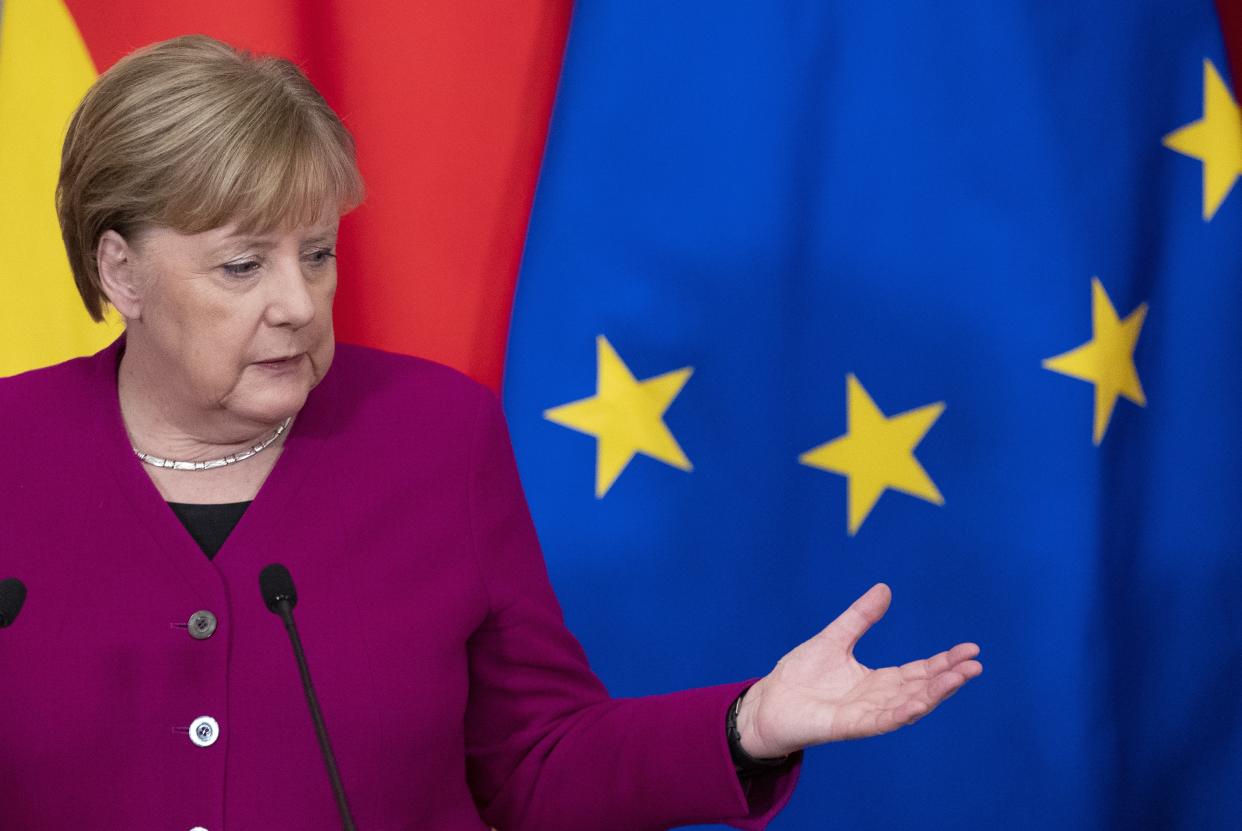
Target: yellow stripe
x=44, y=71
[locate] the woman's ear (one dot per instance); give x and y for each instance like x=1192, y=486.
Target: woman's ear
x=118, y=274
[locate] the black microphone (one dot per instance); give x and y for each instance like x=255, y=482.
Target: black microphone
x=276, y=585
x=12, y=596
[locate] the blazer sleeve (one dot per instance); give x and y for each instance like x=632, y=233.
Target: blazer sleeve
x=546, y=747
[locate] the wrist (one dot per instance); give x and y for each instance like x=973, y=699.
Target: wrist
x=738, y=727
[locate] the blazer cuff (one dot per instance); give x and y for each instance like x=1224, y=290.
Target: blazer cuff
x=698, y=753
x=762, y=796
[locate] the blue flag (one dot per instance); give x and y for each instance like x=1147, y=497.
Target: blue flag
x=944, y=295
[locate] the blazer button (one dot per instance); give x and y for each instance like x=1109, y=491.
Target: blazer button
x=204, y=731
x=198, y=828
x=202, y=625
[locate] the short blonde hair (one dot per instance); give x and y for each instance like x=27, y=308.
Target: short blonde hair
x=192, y=134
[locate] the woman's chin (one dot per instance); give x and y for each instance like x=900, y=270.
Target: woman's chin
x=272, y=407
x=270, y=398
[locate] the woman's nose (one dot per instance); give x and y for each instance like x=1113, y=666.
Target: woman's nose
x=290, y=302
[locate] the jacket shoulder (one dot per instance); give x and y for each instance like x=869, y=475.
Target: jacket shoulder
x=36, y=396
x=405, y=381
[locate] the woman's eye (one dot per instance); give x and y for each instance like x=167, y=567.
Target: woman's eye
x=322, y=256
x=241, y=269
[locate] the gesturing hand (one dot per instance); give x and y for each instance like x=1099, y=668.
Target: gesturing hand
x=818, y=693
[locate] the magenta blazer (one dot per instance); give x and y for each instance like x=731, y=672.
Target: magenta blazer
x=454, y=695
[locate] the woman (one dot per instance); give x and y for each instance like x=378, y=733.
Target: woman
x=148, y=686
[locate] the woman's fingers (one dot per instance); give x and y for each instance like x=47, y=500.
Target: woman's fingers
x=911, y=712
x=930, y=689
x=950, y=681
x=933, y=666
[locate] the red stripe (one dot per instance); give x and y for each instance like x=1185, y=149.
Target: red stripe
x=1230, y=14
x=449, y=103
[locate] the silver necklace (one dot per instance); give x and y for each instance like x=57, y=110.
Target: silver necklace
x=232, y=459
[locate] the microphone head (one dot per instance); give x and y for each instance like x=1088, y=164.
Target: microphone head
x=12, y=596
x=276, y=585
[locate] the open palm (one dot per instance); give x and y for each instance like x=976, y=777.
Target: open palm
x=819, y=693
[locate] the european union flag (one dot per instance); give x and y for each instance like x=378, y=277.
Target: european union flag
x=940, y=294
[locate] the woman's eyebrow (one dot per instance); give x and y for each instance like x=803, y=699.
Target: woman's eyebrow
x=264, y=243
x=324, y=236
x=235, y=241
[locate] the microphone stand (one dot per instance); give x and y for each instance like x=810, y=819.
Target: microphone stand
x=280, y=596
x=285, y=610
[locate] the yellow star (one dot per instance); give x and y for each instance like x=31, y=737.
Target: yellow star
x=1107, y=360
x=626, y=416
x=877, y=453
x=1215, y=140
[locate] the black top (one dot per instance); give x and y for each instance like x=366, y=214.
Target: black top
x=209, y=525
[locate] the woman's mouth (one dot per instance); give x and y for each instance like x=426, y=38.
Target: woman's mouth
x=286, y=362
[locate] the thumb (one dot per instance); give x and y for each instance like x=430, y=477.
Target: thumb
x=854, y=622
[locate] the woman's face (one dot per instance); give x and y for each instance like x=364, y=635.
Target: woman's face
x=236, y=323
